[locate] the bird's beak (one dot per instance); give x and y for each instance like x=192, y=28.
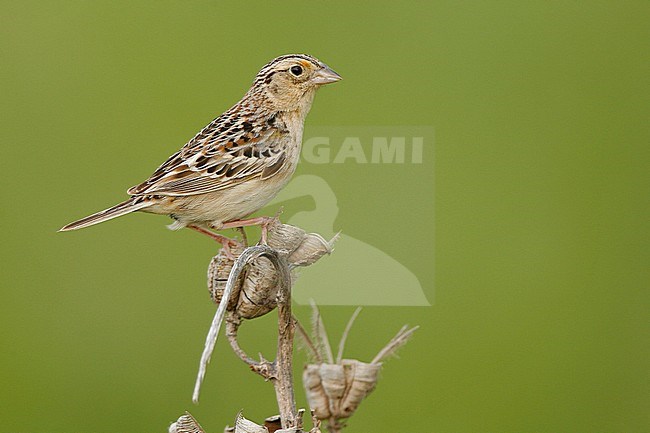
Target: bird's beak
x=325, y=75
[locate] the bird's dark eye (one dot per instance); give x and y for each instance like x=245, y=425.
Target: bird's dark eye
x=296, y=70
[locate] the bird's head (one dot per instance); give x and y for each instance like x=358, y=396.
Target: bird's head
x=289, y=82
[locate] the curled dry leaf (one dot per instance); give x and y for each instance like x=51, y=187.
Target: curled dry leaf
x=186, y=424
x=243, y=425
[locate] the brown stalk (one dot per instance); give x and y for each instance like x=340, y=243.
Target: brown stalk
x=280, y=371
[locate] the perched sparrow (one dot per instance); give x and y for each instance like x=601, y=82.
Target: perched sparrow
x=239, y=162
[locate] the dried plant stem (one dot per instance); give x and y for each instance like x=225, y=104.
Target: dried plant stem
x=283, y=382
x=283, y=377
x=232, y=326
x=280, y=371
x=335, y=387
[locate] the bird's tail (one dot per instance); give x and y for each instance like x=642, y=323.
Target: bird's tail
x=131, y=205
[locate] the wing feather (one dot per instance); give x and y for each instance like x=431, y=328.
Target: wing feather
x=225, y=153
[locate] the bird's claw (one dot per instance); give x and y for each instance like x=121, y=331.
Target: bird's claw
x=266, y=223
x=229, y=243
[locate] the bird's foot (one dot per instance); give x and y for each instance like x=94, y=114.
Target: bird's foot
x=264, y=222
x=226, y=242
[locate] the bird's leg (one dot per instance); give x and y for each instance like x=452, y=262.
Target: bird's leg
x=223, y=240
x=264, y=222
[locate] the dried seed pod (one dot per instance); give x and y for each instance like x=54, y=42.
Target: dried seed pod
x=300, y=247
x=259, y=290
x=316, y=396
x=253, y=284
x=332, y=377
x=285, y=238
x=254, y=294
x=312, y=248
x=361, y=379
x=337, y=390
x=218, y=272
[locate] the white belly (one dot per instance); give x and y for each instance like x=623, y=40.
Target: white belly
x=231, y=204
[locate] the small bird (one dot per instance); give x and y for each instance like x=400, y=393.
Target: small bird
x=236, y=164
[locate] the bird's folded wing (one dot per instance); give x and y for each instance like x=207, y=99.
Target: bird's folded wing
x=209, y=164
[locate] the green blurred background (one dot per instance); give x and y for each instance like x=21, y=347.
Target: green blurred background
x=540, y=234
